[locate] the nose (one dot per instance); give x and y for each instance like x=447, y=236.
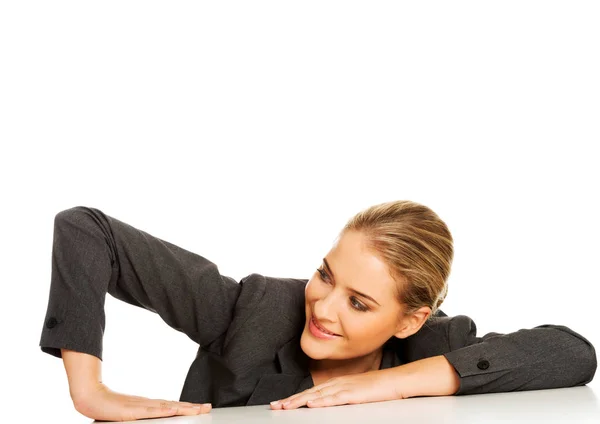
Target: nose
x=325, y=308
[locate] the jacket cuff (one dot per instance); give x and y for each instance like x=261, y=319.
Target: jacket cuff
x=476, y=365
x=63, y=332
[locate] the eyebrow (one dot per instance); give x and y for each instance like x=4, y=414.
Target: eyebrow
x=349, y=288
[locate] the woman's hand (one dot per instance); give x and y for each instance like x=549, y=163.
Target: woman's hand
x=372, y=386
x=101, y=403
x=433, y=376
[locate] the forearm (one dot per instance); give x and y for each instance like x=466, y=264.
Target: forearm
x=83, y=372
x=433, y=376
x=544, y=357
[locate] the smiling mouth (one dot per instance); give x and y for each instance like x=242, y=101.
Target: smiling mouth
x=316, y=324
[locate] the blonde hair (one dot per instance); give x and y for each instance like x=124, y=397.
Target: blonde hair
x=415, y=244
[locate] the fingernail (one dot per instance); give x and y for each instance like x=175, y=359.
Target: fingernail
x=275, y=402
x=287, y=403
x=203, y=405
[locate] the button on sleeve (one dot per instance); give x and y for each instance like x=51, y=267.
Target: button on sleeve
x=51, y=322
x=483, y=364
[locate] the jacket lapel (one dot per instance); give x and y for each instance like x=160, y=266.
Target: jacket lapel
x=294, y=378
x=272, y=387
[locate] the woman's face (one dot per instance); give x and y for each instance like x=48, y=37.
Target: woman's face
x=353, y=296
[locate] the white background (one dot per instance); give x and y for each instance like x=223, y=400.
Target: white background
x=249, y=132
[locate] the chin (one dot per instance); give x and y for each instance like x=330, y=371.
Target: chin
x=304, y=347
x=311, y=347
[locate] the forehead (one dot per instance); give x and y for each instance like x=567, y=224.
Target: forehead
x=357, y=266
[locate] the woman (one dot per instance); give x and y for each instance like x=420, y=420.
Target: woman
x=366, y=327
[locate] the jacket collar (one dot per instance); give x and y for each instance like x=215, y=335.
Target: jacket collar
x=292, y=358
x=294, y=378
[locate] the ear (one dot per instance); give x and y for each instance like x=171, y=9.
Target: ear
x=412, y=323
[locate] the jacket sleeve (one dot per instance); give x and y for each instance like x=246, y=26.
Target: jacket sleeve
x=94, y=254
x=543, y=357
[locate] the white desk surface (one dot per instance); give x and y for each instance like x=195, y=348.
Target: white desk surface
x=570, y=405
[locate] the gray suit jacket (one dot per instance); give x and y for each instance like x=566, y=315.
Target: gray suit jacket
x=248, y=332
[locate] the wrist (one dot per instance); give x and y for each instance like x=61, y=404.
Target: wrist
x=433, y=376
x=82, y=395
x=87, y=396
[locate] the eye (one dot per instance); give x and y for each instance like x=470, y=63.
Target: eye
x=323, y=275
x=357, y=305
x=354, y=303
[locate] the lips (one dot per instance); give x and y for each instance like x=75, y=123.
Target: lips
x=323, y=329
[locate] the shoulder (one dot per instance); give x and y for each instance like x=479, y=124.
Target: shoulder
x=271, y=309
x=260, y=290
x=439, y=335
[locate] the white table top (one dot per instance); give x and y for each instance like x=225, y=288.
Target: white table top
x=570, y=405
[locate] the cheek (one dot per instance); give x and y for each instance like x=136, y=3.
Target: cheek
x=313, y=291
x=308, y=291
x=365, y=327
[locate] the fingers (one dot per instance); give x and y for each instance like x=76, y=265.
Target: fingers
x=292, y=400
x=301, y=399
x=163, y=408
x=339, y=398
x=320, y=390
